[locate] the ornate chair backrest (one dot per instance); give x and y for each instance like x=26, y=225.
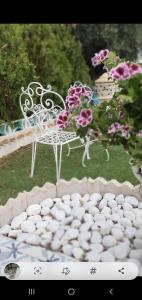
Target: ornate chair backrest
x=40, y=106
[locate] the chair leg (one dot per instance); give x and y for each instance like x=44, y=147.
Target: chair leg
x=69, y=150
x=107, y=153
x=58, y=161
x=34, y=146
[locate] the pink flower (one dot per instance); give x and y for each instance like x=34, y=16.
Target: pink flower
x=121, y=72
x=103, y=54
x=134, y=68
x=99, y=57
x=85, y=117
x=125, y=131
x=73, y=101
x=139, y=133
x=114, y=128
x=62, y=120
x=95, y=60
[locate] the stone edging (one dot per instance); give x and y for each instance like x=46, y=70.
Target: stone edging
x=15, y=206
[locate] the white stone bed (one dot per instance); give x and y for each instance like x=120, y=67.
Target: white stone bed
x=88, y=226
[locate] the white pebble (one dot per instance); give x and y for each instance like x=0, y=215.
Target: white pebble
x=131, y=200
x=137, y=254
x=105, y=228
x=85, y=226
x=115, y=217
x=66, y=197
x=28, y=226
x=90, y=204
x=86, y=197
x=47, y=235
x=93, y=210
x=35, y=219
x=78, y=253
x=40, y=231
x=33, y=209
x=109, y=196
x=130, y=232
x=84, y=236
x=71, y=233
x=99, y=217
x=33, y=239
x=66, y=208
x=75, y=197
x=109, y=241
x=76, y=223
x=67, y=249
x=23, y=216
x=112, y=203
x=106, y=211
x=45, y=210
x=93, y=256
x=137, y=222
x=87, y=217
x=138, y=243
x=103, y=203
x=16, y=223
x=138, y=233
x=125, y=222
x=78, y=212
x=117, y=233
x=84, y=245
x=117, y=210
x=121, y=251
x=5, y=229
x=57, y=214
x=41, y=224
x=75, y=243
x=96, y=247
x=52, y=226
x=120, y=199
x=95, y=196
x=127, y=206
x=106, y=256
x=59, y=233
x=47, y=202
x=55, y=245
x=96, y=237
x=67, y=220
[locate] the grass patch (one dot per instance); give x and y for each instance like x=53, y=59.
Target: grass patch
x=15, y=168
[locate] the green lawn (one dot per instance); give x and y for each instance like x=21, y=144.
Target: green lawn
x=15, y=168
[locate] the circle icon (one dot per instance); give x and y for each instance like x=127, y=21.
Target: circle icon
x=11, y=271
x=71, y=291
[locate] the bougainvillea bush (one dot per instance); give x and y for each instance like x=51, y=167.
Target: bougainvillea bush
x=112, y=121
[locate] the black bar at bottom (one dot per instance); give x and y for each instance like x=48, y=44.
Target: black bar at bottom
x=72, y=289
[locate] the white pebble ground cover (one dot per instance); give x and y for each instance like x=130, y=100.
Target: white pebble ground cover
x=88, y=228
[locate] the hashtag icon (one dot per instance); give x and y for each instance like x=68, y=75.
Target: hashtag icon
x=93, y=271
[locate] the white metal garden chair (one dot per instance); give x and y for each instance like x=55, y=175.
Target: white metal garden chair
x=40, y=107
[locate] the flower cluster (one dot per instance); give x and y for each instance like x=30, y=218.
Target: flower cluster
x=84, y=118
x=78, y=94
x=62, y=120
x=125, y=70
x=99, y=57
x=123, y=129
x=75, y=94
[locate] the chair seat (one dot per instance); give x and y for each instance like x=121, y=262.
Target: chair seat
x=57, y=137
